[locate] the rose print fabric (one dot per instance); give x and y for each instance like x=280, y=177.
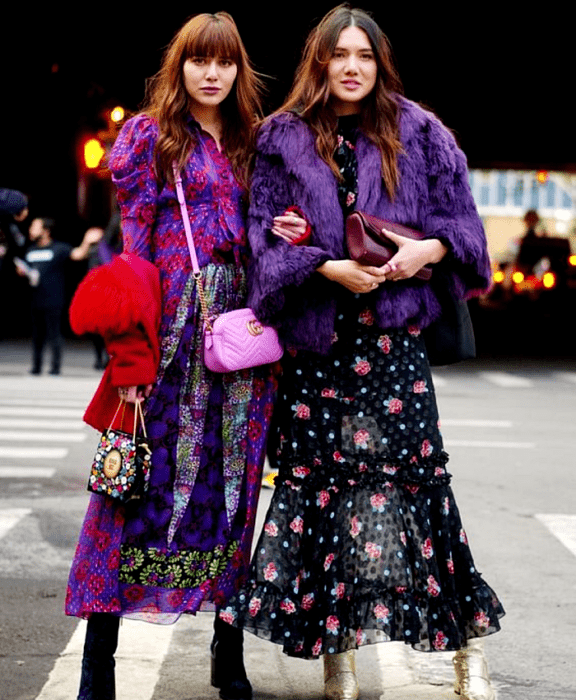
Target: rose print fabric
x=363, y=541
x=186, y=544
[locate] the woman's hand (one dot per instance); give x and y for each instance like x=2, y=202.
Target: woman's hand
x=290, y=226
x=359, y=279
x=132, y=394
x=412, y=255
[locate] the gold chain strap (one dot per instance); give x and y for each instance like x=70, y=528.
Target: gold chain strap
x=203, y=304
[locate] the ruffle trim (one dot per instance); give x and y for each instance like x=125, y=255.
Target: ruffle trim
x=374, y=615
x=431, y=471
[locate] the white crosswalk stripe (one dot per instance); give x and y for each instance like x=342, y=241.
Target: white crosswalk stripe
x=476, y=423
x=40, y=436
x=27, y=472
x=40, y=420
x=9, y=517
x=42, y=424
x=47, y=402
x=563, y=527
x=33, y=452
x=141, y=651
x=443, y=379
x=35, y=411
x=507, y=380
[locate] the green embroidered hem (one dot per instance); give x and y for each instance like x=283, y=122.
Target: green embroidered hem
x=183, y=569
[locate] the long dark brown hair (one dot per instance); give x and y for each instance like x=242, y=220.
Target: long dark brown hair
x=310, y=94
x=167, y=101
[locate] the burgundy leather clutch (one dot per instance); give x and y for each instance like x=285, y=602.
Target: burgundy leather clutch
x=368, y=246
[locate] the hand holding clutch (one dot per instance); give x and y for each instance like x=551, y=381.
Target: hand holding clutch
x=369, y=246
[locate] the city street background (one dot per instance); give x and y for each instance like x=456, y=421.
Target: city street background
x=508, y=425
x=501, y=83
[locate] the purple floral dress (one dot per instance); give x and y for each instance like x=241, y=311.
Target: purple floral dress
x=363, y=541
x=186, y=544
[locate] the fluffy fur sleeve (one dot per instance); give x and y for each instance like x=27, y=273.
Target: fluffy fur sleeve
x=450, y=213
x=116, y=298
x=275, y=264
x=104, y=303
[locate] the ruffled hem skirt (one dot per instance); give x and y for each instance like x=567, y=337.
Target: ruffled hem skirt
x=363, y=541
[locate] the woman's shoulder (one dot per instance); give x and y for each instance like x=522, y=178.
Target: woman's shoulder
x=419, y=124
x=284, y=133
x=136, y=141
x=141, y=126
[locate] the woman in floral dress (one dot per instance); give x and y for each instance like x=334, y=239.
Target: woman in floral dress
x=362, y=541
x=185, y=546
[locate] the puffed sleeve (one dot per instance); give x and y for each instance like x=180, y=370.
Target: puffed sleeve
x=132, y=166
x=276, y=266
x=451, y=213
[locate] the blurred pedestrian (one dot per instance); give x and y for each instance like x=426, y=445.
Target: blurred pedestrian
x=530, y=250
x=103, y=253
x=363, y=541
x=185, y=546
x=13, y=211
x=44, y=265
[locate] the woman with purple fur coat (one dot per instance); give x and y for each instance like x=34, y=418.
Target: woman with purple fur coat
x=363, y=541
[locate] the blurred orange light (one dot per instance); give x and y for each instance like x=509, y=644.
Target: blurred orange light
x=518, y=277
x=117, y=114
x=93, y=153
x=499, y=277
x=572, y=260
x=542, y=176
x=549, y=280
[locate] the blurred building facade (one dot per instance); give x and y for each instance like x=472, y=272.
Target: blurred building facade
x=504, y=196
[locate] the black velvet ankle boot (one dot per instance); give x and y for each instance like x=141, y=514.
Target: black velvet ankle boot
x=97, y=681
x=227, y=662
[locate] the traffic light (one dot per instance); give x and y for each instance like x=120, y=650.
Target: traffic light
x=93, y=152
x=117, y=114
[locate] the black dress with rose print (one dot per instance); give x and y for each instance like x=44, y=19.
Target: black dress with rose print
x=362, y=541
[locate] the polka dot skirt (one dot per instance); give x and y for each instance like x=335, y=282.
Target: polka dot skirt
x=363, y=541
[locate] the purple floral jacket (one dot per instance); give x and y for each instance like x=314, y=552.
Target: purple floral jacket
x=433, y=196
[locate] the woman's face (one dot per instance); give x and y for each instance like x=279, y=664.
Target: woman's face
x=352, y=71
x=209, y=81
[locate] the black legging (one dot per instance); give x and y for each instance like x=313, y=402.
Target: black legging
x=97, y=679
x=46, y=326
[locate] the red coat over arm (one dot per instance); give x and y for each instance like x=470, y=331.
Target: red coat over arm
x=120, y=301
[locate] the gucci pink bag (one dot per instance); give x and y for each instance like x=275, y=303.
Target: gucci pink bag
x=235, y=339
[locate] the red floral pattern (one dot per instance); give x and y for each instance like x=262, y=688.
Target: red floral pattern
x=367, y=540
x=124, y=563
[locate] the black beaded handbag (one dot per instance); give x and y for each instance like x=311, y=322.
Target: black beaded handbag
x=121, y=466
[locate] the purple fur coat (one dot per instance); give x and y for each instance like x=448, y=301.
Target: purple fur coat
x=433, y=196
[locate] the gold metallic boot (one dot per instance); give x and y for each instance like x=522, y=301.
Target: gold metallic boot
x=340, y=682
x=472, y=679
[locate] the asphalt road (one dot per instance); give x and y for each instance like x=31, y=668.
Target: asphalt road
x=509, y=429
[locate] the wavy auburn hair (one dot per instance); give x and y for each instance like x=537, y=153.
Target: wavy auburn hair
x=310, y=93
x=168, y=102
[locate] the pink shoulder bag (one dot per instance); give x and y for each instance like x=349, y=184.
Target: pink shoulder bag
x=235, y=339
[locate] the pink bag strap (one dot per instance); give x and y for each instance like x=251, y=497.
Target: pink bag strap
x=191, y=247
x=186, y=219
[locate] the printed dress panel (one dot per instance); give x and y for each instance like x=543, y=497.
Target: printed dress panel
x=186, y=544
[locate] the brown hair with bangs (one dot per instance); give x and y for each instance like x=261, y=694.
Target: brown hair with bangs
x=310, y=94
x=168, y=102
